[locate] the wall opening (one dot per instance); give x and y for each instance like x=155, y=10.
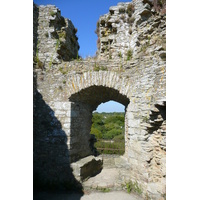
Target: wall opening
x=84, y=103
x=108, y=128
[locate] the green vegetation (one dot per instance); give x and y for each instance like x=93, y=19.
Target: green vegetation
x=110, y=55
x=103, y=189
x=40, y=63
x=46, y=35
x=130, y=9
x=98, y=68
x=60, y=87
x=129, y=54
x=145, y=119
x=36, y=59
x=120, y=54
x=133, y=187
x=108, y=129
x=52, y=13
x=62, y=71
x=62, y=34
x=121, y=10
x=108, y=124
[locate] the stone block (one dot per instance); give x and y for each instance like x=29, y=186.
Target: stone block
x=132, y=123
x=87, y=167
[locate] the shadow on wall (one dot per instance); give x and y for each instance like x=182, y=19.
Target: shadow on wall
x=51, y=166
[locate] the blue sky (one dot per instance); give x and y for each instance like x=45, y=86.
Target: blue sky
x=111, y=106
x=84, y=14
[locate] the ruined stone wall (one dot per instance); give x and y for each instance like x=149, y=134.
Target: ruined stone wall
x=56, y=37
x=68, y=92
x=35, y=28
x=132, y=30
x=73, y=95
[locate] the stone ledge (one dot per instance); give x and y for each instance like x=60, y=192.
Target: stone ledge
x=87, y=167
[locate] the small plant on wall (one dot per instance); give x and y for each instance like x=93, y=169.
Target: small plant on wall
x=52, y=13
x=129, y=54
x=130, y=9
x=132, y=187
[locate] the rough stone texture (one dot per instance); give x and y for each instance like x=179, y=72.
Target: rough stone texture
x=131, y=30
x=56, y=36
x=66, y=93
x=115, y=195
x=35, y=28
x=87, y=167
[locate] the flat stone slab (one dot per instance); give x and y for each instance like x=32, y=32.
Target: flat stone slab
x=87, y=167
x=115, y=195
x=108, y=178
x=115, y=172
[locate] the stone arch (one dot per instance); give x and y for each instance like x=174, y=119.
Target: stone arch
x=109, y=79
x=87, y=92
x=95, y=95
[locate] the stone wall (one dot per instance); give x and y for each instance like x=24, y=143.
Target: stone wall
x=56, y=37
x=67, y=92
x=132, y=29
x=35, y=28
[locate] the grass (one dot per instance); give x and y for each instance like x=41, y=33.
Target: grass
x=106, y=147
x=133, y=187
x=51, y=61
x=120, y=54
x=62, y=71
x=129, y=54
x=103, y=189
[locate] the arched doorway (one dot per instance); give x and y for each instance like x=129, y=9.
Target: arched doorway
x=83, y=103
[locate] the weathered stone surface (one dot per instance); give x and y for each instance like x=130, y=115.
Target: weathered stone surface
x=56, y=36
x=67, y=92
x=87, y=167
x=128, y=30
